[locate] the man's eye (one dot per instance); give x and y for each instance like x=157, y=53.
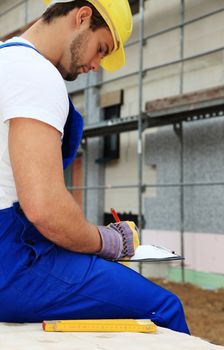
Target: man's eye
x=101, y=51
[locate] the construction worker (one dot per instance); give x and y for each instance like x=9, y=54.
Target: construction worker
x=54, y=264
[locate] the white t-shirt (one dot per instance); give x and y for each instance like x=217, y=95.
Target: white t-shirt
x=31, y=87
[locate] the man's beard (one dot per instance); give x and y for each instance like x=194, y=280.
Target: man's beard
x=76, y=51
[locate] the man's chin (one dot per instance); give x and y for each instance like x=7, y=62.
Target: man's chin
x=71, y=77
x=68, y=76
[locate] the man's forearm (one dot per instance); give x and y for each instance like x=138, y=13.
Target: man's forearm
x=60, y=219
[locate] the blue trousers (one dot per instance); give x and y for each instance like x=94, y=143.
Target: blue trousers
x=41, y=281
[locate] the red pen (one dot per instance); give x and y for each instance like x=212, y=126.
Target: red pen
x=114, y=213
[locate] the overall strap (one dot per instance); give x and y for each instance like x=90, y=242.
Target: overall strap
x=15, y=43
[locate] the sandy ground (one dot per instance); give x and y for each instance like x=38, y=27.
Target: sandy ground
x=204, y=309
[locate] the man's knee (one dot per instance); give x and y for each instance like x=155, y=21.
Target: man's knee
x=175, y=314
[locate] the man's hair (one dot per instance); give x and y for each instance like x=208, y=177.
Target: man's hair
x=62, y=9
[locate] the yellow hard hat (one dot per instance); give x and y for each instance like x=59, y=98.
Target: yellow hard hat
x=117, y=15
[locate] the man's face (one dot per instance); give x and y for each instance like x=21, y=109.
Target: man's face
x=85, y=52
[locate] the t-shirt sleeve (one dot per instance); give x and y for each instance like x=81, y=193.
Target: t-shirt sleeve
x=31, y=87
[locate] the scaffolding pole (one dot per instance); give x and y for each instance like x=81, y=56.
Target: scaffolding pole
x=140, y=99
x=85, y=146
x=168, y=185
x=180, y=134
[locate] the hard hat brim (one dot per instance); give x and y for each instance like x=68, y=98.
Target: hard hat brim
x=114, y=61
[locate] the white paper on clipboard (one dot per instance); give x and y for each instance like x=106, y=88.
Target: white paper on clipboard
x=153, y=253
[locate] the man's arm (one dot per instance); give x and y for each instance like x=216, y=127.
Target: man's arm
x=35, y=153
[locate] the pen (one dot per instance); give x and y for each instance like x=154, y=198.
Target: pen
x=114, y=213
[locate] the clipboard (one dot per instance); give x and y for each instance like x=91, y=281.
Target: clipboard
x=152, y=253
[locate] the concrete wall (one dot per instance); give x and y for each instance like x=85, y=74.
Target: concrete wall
x=203, y=206
x=203, y=162
x=22, y=12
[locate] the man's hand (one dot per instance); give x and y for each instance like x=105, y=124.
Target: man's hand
x=119, y=240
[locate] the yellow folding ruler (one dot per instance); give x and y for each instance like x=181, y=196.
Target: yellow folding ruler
x=108, y=325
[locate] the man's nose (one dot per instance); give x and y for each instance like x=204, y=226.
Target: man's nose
x=95, y=63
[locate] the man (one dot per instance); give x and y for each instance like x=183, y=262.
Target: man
x=54, y=263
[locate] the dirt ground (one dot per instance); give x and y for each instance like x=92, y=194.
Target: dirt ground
x=204, y=309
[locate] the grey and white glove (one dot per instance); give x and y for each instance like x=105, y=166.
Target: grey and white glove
x=117, y=240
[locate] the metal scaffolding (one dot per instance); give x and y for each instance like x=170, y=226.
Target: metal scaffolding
x=173, y=116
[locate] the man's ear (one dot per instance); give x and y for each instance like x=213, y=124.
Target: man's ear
x=83, y=15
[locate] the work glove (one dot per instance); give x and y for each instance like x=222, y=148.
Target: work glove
x=119, y=240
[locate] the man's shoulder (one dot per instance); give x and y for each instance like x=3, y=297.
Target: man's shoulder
x=27, y=61
x=31, y=86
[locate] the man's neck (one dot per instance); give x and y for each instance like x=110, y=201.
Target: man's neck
x=46, y=39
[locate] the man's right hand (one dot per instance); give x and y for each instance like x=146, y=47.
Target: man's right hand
x=119, y=240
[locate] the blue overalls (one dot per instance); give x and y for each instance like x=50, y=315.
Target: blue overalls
x=41, y=281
